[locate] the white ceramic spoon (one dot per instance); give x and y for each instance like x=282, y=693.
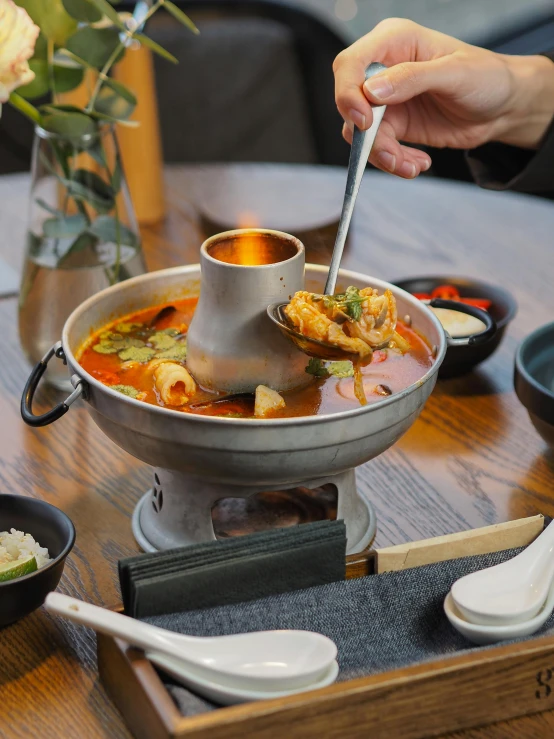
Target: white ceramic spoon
x=487, y=634
x=512, y=592
x=266, y=661
x=227, y=696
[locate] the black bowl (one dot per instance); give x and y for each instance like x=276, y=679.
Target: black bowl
x=534, y=379
x=462, y=359
x=53, y=530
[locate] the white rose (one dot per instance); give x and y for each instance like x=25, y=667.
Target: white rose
x=18, y=35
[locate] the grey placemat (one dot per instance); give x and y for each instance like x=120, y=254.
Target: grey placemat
x=379, y=623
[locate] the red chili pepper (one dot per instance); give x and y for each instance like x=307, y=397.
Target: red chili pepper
x=446, y=292
x=482, y=303
x=422, y=296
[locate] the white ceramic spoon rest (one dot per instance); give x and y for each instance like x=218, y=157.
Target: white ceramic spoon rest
x=263, y=660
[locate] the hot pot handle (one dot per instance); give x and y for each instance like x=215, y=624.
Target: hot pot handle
x=32, y=383
x=490, y=324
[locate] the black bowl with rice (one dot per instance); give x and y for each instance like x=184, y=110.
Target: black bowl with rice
x=30, y=529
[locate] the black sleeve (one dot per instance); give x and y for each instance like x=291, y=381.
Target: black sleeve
x=502, y=167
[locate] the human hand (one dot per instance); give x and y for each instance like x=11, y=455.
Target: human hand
x=440, y=92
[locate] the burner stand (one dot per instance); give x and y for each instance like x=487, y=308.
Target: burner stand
x=181, y=510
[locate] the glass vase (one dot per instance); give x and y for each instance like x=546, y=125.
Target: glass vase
x=82, y=236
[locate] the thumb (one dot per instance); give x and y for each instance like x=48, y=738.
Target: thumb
x=409, y=79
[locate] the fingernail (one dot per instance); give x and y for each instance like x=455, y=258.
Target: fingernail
x=357, y=118
x=407, y=169
x=426, y=165
x=379, y=88
x=388, y=161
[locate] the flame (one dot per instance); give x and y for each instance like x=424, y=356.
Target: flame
x=248, y=219
x=251, y=250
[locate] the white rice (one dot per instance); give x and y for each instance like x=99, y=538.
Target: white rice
x=16, y=545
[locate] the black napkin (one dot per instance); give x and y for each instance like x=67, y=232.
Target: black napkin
x=233, y=570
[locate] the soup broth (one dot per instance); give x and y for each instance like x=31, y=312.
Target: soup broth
x=120, y=356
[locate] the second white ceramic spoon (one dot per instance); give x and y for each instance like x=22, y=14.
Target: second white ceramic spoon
x=487, y=634
x=512, y=592
x=266, y=661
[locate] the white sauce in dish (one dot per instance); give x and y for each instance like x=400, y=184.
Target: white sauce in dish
x=458, y=324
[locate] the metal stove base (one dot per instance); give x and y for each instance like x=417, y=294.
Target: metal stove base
x=177, y=511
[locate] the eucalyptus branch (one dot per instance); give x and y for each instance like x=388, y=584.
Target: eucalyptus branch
x=25, y=107
x=50, y=65
x=103, y=72
x=117, y=51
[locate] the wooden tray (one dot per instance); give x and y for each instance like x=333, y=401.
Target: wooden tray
x=421, y=700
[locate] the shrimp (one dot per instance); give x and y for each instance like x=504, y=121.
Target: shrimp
x=377, y=323
x=174, y=383
x=310, y=318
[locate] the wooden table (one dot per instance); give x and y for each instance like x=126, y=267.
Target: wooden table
x=472, y=458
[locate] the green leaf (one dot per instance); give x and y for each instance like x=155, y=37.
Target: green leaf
x=136, y=354
x=121, y=89
x=59, y=228
x=109, y=119
x=111, y=103
x=50, y=16
x=126, y=390
x=125, y=327
x=67, y=78
x=106, y=9
x=46, y=206
x=82, y=10
x=88, y=186
x=117, y=176
x=162, y=341
x=180, y=16
x=341, y=369
x=94, y=45
x=96, y=151
x=41, y=46
x=106, y=228
x=156, y=48
x=316, y=368
x=177, y=352
x=82, y=242
x=40, y=85
x=71, y=125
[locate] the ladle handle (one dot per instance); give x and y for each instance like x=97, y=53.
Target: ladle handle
x=362, y=143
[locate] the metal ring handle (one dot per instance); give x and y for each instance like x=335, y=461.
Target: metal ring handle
x=490, y=324
x=32, y=383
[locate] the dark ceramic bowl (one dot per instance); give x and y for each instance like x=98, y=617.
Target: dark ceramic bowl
x=53, y=530
x=534, y=379
x=462, y=359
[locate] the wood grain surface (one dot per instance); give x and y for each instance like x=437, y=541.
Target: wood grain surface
x=472, y=458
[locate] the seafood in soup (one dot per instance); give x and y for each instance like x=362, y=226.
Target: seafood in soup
x=356, y=321
x=143, y=356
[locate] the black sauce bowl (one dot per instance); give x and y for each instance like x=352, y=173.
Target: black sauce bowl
x=53, y=530
x=534, y=379
x=462, y=359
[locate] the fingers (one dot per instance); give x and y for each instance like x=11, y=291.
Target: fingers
x=389, y=155
x=351, y=101
x=410, y=79
x=395, y=42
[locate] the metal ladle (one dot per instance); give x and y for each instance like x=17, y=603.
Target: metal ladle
x=362, y=143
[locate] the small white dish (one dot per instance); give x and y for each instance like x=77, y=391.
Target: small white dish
x=512, y=592
x=227, y=695
x=490, y=634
